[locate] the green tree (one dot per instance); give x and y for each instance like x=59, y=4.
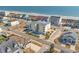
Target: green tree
x=51, y=49
x=47, y=35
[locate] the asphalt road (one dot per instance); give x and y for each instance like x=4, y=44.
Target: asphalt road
x=53, y=36
x=41, y=40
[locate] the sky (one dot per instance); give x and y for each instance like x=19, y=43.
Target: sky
x=54, y=10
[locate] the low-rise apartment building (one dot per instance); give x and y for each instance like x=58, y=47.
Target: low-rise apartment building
x=39, y=26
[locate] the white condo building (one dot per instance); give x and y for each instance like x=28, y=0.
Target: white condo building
x=38, y=26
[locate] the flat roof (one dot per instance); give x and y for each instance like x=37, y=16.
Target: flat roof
x=33, y=46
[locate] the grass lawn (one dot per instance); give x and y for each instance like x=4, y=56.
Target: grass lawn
x=2, y=38
x=32, y=34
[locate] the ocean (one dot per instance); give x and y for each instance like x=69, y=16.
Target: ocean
x=54, y=10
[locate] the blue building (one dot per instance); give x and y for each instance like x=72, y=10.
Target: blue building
x=54, y=20
x=2, y=13
x=68, y=38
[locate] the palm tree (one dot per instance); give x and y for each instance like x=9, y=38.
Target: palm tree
x=52, y=48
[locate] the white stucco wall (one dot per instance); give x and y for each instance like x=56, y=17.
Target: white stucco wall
x=14, y=23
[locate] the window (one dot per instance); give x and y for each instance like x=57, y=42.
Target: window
x=14, y=45
x=43, y=29
x=7, y=49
